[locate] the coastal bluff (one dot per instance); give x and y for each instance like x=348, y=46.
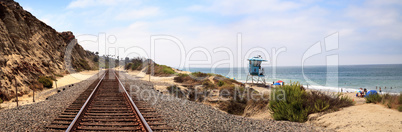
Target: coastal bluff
x=30, y=48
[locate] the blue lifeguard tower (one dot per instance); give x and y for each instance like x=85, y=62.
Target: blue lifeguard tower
x=255, y=71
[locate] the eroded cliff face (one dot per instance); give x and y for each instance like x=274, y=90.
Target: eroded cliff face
x=29, y=48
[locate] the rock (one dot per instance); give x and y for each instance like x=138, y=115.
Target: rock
x=29, y=48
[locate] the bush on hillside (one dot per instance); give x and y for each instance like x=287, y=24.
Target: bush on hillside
x=128, y=66
x=187, y=79
x=208, y=84
x=373, y=98
x=220, y=83
x=219, y=79
x=161, y=70
x=134, y=64
x=389, y=100
x=290, y=105
x=335, y=101
x=293, y=103
x=197, y=95
x=96, y=59
x=46, y=81
x=36, y=86
x=175, y=91
x=167, y=70
x=58, y=75
x=199, y=74
x=400, y=99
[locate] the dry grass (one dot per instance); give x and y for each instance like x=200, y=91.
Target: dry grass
x=391, y=101
x=36, y=86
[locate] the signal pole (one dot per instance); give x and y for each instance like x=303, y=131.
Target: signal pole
x=16, y=92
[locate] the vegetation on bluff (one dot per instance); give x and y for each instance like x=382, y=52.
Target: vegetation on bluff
x=140, y=64
x=292, y=102
x=389, y=100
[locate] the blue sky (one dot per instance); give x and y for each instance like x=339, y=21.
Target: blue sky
x=370, y=32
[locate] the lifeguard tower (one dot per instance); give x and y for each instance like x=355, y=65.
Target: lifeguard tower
x=255, y=72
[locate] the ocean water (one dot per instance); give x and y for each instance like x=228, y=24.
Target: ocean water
x=349, y=78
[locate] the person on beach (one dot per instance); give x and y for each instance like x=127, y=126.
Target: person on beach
x=361, y=92
x=365, y=91
x=380, y=89
x=376, y=87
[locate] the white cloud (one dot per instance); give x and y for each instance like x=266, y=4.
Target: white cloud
x=135, y=14
x=138, y=25
x=90, y=3
x=240, y=7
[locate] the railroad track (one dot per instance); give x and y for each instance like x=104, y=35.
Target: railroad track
x=107, y=106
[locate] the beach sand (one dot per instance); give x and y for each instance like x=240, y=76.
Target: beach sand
x=359, y=118
x=42, y=95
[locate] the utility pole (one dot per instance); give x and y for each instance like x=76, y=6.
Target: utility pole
x=149, y=70
x=33, y=94
x=16, y=92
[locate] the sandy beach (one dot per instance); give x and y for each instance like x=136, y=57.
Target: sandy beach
x=42, y=95
x=359, y=118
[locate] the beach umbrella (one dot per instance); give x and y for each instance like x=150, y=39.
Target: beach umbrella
x=279, y=81
x=371, y=92
x=277, y=84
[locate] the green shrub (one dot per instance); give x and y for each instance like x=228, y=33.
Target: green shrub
x=220, y=83
x=182, y=75
x=58, y=75
x=46, y=82
x=293, y=103
x=167, y=70
x=373, y=98
x=208, y=84
x=128, y=66
x=136, y=66
x=1, y=101
x=400, y=98
x=321, y=105
x=199, y=74
x=161, y=70
x=290, y=107
x=96, y=59
x=400, y=108
x=175, y=91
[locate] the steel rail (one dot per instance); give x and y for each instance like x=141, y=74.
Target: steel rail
x=144, y=122
x=73, y=123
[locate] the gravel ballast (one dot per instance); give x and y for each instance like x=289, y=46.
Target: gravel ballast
x=184, y=115
x=34, y=117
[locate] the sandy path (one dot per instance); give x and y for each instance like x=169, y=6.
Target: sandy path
x=74, y=78
x=42, y=95
x=359, y=118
